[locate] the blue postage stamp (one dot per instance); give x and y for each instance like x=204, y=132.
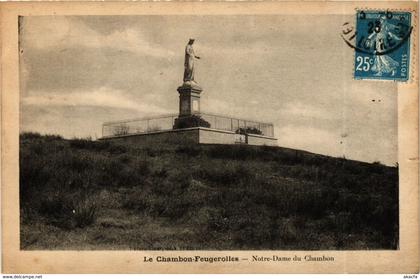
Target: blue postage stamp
x=381, y=40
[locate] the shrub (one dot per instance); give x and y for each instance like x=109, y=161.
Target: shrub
x=156, y=150
x=84, y=213
x=30, y=135
x=252, y=226
x=89, y=144
x=227, y=174
x=138, y=199
x=161, y=173
x=68, y=210
x=164, y=197
x=122, y=171
x=55, y=206
x=249, y=130
x=117, y=148
x=258, y=153
x=26, y=136
x=217, y=222
x=52, y=137
x=190, y=150
x=32, y=176
x=235, y=152
x=190, y=122
x=174, y=207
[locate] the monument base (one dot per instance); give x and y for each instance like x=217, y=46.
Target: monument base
x=189, y=98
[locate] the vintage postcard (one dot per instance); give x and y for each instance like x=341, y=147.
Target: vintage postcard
x=209, y=137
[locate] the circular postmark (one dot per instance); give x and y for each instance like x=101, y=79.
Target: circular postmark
x=381, y=43
x=377, y=33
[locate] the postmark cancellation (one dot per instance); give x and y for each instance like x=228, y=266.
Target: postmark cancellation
x=381, y=40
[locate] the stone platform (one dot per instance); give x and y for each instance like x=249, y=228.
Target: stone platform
x=195, y=135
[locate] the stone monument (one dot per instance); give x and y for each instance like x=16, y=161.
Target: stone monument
x=189, y=91
x=191, y=126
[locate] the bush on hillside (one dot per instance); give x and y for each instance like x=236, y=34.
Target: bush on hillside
x=90, y=144
x=191, y=122
x=68, y=210
x=249, y=130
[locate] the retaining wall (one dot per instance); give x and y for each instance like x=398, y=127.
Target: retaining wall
x=189, y=136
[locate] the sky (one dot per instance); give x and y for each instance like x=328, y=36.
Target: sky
x=295, y=71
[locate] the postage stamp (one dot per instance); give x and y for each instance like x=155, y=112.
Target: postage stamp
x=381, y=40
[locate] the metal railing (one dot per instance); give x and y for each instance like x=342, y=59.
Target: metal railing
x=166, y=123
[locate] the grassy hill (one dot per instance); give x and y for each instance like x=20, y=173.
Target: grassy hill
x=84, y=194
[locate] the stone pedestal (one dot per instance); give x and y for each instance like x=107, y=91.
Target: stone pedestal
x=189, y=106
x=189, y=99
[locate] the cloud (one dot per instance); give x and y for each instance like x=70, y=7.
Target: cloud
x=102, y=97
x=64, y=32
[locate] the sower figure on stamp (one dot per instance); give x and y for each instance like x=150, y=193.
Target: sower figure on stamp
x=189, y=62
x=383, y=31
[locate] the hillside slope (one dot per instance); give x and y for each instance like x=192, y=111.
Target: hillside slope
x=83, y=194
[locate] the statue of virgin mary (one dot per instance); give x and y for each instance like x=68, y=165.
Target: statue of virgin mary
x=189, y=62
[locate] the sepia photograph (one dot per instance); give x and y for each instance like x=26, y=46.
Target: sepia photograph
x=209, y=137
x=163, y=133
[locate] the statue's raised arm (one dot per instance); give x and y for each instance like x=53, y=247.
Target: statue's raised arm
x=189, y=62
